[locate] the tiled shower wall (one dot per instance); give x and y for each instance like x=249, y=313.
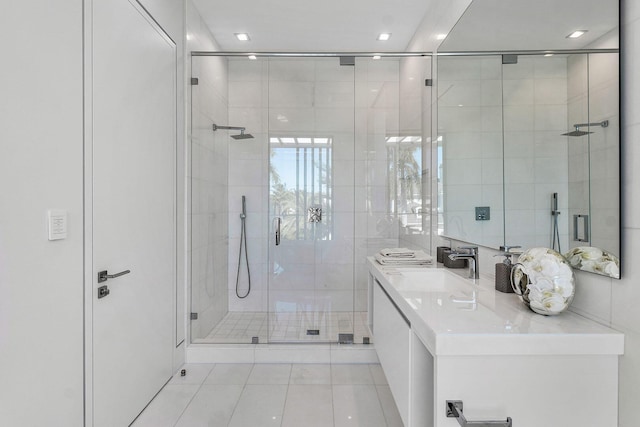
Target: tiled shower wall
x=470, y=129
x=535, y=117
x=207, y=173
x=415, y=119
x=487, y=112
x=365, y=206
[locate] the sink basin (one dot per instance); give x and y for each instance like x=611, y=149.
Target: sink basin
x=432, y=280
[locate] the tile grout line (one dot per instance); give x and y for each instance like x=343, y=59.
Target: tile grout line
x=333, y=407
x=244, y=387
x=194, y=395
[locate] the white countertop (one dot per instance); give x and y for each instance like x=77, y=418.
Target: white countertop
x=438, y=303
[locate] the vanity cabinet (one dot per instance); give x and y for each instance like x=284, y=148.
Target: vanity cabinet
x=393, y=345
x=406, y=362
x=439, y=337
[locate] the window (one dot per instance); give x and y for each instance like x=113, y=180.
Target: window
x=300, y=179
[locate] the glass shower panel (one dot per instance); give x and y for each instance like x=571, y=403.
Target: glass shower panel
x=311, y=200
x=208, y=209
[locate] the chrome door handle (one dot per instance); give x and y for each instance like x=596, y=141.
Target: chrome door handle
x=103, y=275
x=277, y=221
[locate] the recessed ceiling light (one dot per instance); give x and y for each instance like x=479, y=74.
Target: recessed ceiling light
x=441, y=36
x=548, y=54
x=376, y=56
x=243, y=37
x=383, y=37
x=253, y=57
x=576, y=34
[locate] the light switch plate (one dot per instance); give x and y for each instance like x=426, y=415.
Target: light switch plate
x=57, y=224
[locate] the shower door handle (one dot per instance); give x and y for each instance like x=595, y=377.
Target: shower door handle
x=277, y=221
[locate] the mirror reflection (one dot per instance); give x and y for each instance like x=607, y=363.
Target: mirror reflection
x=528, y=144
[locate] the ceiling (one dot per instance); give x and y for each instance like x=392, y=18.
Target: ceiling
x=353, y=25
x=531, y=25
x=313, y=26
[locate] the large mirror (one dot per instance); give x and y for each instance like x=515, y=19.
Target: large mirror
x=528, y=129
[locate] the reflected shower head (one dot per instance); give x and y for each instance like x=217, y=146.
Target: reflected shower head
x=576, y=132
x=579, y=132
x=241, y=129
x=242, y=135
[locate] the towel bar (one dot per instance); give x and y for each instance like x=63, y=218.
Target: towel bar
x=454, y=410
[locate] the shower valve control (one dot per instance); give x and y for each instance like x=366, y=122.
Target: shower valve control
x=483, y=213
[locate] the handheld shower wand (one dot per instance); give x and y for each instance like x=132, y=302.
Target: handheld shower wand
x=243, y=242
x=555, y=235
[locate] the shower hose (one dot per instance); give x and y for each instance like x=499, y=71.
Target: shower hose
x=243, y=243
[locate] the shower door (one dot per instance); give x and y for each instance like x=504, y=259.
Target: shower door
x=311, y=200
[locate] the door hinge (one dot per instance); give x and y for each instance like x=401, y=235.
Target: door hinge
x=194, y=81
x=428, y=82
x=194, y=316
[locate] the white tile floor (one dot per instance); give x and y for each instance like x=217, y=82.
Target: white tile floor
x=240, y=327
x=288, y=395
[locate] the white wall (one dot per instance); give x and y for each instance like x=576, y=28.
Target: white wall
x=170, y=15
x=41, y=167
x=611, y=301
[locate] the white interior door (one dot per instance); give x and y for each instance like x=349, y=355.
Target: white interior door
x=134, y=228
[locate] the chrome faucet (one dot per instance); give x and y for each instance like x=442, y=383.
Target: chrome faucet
x=469, y=253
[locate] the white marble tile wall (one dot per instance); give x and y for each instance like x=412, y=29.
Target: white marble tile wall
x=415, y=100
x=610, y=301
x=377, y=116
x=207, y=171
x=290, y=95
x=535, y=107
x=470, y=124
x=248, y=102
x=492, y=111
x=287, y=96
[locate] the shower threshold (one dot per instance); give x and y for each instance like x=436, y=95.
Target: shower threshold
x=290, y=328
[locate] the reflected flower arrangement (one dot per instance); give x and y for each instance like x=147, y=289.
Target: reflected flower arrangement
x=544, y=281
x=594, y=260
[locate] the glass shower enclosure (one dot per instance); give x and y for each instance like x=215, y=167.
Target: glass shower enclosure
x=282, y=221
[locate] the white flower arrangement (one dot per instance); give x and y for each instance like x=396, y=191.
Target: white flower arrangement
x=594, y=260
x=544, y=281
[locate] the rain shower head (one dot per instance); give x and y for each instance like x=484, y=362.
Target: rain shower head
x=578, y=132
x=241, y=129
x=242, y=135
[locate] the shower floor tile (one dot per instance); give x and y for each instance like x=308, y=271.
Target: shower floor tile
x=241, y=327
